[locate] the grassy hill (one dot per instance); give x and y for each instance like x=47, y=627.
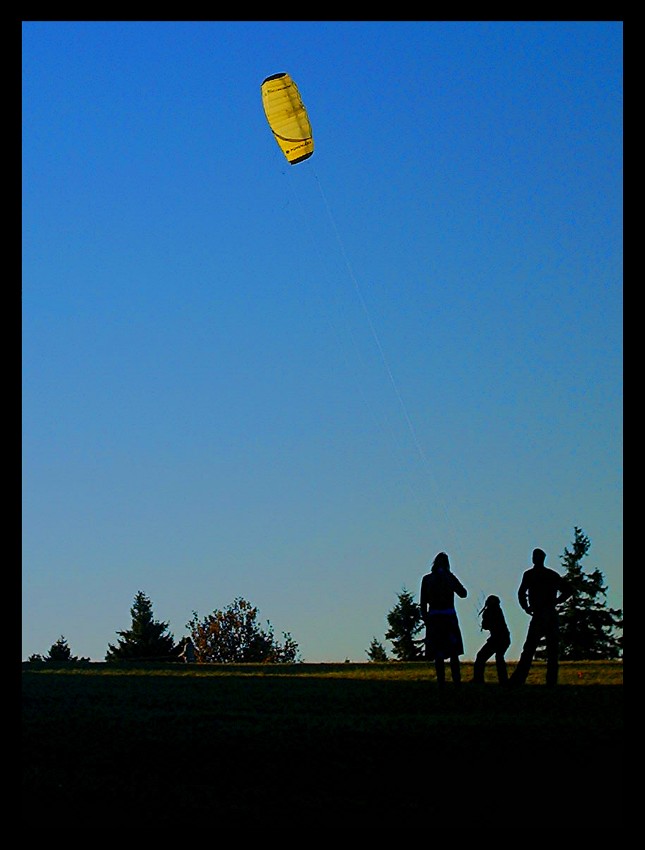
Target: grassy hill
x=346, y=744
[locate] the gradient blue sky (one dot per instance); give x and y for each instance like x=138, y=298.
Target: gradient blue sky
x=297, y=384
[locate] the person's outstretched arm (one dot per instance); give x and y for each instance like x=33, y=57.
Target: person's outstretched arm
x=458, y=587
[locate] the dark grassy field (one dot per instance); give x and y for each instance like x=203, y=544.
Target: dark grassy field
x=352, y=745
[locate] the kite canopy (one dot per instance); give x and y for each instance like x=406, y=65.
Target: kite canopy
x=287, y=117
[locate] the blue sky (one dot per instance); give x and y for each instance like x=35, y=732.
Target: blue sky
x=297, y=384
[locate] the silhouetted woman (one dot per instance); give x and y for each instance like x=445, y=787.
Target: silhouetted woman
x=499, y=641
x=443, y=635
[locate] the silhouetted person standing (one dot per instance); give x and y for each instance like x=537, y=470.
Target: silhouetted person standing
x=540, y=591
x=499, y=641
x=443, y=635
x=187, y=652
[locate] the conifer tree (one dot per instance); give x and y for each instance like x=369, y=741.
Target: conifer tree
x=376, y=652
x=148, y=639
x=59, y=653
x=589, y=629
x=405, y=623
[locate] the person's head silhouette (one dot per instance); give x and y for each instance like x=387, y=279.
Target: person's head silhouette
x=441, y=563
x=538, y=557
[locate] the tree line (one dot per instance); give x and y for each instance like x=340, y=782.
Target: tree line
x=232, y=634
x=589, y=630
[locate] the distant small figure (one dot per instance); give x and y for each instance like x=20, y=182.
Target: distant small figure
x=443, y=635
x=187, y=651
x=540, y=591
x=499, y=641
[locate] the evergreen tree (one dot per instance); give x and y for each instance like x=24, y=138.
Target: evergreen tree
x=147, y=639
x=233, y=635
x=376, y=651
x=405, y=623
x=59, y=653
x=589, y=630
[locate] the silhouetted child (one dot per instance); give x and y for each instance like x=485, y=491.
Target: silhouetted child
x=499, y=641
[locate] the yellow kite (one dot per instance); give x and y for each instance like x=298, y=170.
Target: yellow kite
x=287, y=117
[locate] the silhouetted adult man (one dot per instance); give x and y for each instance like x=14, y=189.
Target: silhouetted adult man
x=540, y=591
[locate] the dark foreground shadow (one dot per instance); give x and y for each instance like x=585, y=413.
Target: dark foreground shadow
x=156, y=750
